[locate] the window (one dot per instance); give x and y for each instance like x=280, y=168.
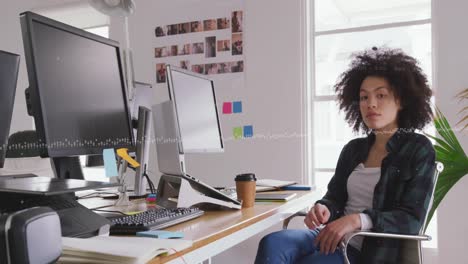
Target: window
x=337, y=29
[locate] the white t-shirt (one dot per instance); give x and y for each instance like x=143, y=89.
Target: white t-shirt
x=360, y=186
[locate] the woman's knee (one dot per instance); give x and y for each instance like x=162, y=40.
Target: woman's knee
x=272, y=239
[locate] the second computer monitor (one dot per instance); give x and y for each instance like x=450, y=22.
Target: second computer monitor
x=196, y=111
x=9, y=64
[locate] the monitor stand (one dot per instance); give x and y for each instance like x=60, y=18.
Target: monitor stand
x=67, y=168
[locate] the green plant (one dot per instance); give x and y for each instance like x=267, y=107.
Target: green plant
x=463, y=95
x=450, y=153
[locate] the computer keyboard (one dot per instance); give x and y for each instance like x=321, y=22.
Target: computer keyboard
x=152, y=219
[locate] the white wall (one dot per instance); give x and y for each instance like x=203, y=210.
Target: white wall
x=451, y=62
x=270, y=91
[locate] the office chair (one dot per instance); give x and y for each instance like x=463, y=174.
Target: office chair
x=411, y=252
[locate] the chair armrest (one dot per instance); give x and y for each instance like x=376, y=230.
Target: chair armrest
x=345, y=242
x=287, y=220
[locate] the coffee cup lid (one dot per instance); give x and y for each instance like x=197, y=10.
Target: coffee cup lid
x=246, y=177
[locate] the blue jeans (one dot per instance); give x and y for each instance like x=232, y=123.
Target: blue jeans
x=297, y=246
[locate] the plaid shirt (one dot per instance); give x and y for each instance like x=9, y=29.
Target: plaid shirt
x=401, y=197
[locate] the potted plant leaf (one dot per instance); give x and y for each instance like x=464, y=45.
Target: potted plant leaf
x=450, y=153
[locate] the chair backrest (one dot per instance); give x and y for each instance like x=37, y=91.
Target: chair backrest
x=410, y=250
x=439, y=167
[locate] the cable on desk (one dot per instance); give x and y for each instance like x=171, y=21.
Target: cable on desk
x=145, y=174
x=150, y=183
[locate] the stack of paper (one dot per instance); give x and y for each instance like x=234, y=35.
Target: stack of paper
x=270, y=185
x=131, y=250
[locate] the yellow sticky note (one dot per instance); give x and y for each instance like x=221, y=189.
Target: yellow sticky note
x=122, y=152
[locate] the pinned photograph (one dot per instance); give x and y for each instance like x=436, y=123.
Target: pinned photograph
x=224, y=67
x=223, y=23
x=196, y=26
x=224, y=45
x=172, y=29
x=236, y=21
x=174, y=50
x=210, y=44
x=198, y=48
x=183, y=49
x=185, y=64
x=237, y=44
x=159, y=32
x=237, y=66
x=211, y=68
x=198, y=68
x=160, y=73
x=160, y=52
x=184, y=28
x=209, y=24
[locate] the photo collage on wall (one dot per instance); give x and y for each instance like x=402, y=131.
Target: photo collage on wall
x=206, y=47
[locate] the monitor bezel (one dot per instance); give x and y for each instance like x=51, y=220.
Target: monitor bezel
x=27, y=19
x=170, y=86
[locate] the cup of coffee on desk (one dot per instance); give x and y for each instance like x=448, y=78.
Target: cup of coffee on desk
x=245, y=187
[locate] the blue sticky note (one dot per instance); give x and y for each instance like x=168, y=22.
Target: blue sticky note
x=110, y=163
x=248, y=131
x=160, y=234
x=237, y=107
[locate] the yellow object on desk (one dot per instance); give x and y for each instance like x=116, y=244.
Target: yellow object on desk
x=123, y=153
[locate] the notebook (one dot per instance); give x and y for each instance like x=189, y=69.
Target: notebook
x=128, y=250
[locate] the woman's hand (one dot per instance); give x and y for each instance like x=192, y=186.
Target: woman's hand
x=334, y=232
x=317, y=215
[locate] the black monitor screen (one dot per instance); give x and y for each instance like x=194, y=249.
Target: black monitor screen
x=9, y=64
x=77, y=88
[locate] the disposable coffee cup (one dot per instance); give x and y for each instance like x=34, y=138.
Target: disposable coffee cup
x=245, y=188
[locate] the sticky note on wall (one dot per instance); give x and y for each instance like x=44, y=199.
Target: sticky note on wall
x=248, y=131
x=110, y=163
x=237, y=107
x=227, y=108
x=237, y=132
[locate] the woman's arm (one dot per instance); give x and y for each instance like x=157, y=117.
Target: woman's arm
x=336, y=196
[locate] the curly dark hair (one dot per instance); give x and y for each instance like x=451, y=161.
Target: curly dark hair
x=406, y=79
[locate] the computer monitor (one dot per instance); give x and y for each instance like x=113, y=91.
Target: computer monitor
x=76, y=92
x=9, y=65
x=187, y=123
x=196, y=111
